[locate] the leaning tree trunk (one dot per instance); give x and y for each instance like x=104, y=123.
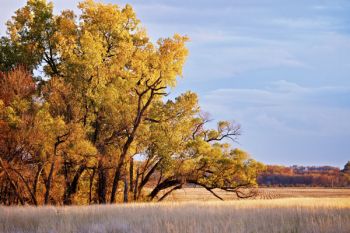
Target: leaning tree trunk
x=138, y=118
x=72, y=188
x=163, y=185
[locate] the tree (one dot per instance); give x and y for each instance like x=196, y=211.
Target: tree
x=346, y=168
x=346, y=173
x=98, y=105
x=31, y=38
x=181, y=151
x=16, y=88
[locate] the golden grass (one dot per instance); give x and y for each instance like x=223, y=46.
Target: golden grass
x=201, y=194
x=311, y=215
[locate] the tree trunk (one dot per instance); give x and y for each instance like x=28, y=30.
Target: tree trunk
x=147, y=177
x=72, y=188
x=91, y=184
x=140, y=111
x=12, y=183
x=165, y=184
x=102, y=182
x=131, y=174
x=126, y=191
x=136, y=184
x=119, y=168
x=49, y=178
x=36, y=180
x=48, y=183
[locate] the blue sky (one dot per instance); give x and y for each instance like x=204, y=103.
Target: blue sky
x=280, y=68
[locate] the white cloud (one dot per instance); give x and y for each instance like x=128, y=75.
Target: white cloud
x=283, y=107
x=303, y=23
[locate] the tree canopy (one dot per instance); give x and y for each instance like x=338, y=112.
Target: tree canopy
x=96, y=117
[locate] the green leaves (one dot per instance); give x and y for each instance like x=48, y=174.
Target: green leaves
x=31, y=32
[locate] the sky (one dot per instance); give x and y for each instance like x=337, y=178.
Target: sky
x=279, y=68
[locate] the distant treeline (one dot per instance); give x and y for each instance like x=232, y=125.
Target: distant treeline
x=299, y=176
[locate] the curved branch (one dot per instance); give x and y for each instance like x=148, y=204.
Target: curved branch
x=170, y=191
x=163, y=185
x=212, y=192
x=210, y=189
x=12, y=183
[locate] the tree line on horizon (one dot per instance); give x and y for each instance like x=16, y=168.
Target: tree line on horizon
x=304, y=176
x=84, y=118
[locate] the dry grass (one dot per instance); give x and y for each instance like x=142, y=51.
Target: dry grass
x=201, y=194
x=279, y=215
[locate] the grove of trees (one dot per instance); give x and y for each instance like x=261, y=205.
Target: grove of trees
x=84, y=118
x=312, y=176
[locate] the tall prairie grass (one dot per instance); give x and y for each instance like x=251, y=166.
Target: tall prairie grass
x=311, y=215
x=201, y=194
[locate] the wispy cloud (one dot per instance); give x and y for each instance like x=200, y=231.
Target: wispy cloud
x=281, y=68
x=282, y=104
x=286, y=122
x=304, y=23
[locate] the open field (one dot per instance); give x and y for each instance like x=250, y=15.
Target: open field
x=200, y=194
x=311, y=215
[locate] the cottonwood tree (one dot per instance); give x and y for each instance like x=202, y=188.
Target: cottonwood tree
x=71, y=135
x=346, y=173
x=182, y=151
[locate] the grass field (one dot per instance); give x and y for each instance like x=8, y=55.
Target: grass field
x=200, y=194
x=310, y=215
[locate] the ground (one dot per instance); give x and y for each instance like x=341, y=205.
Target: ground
x=308, y=210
